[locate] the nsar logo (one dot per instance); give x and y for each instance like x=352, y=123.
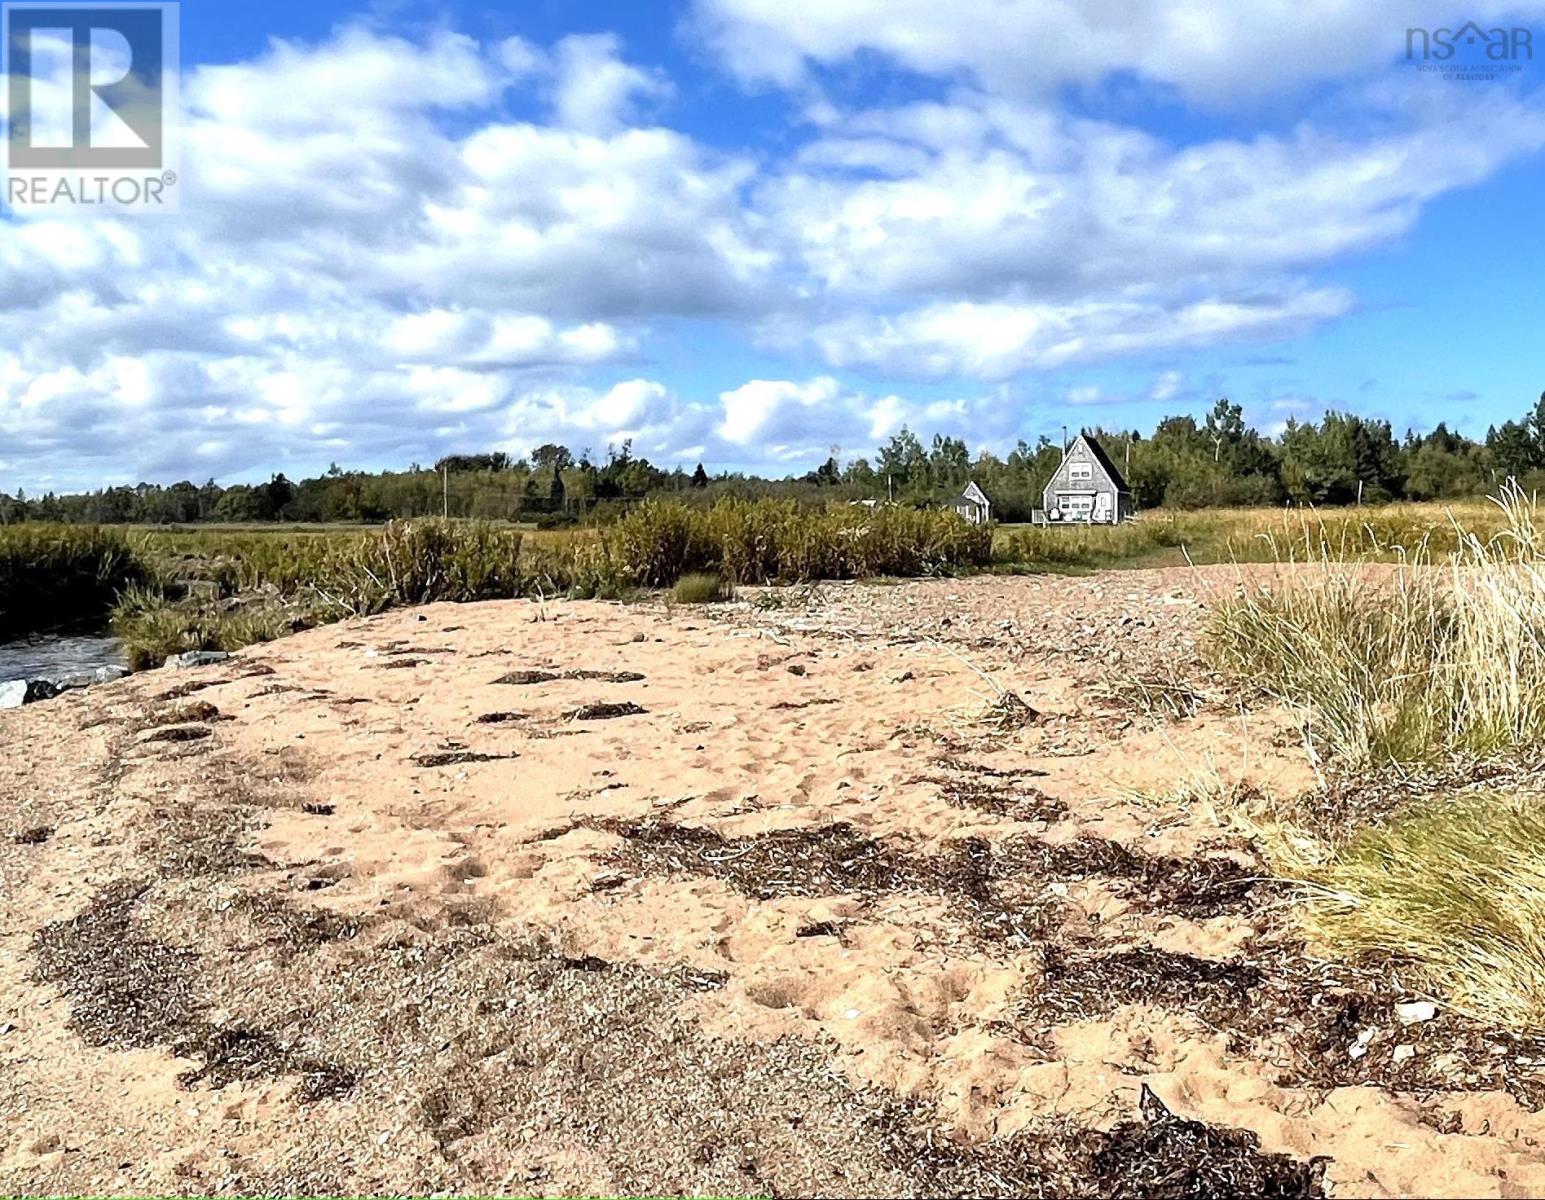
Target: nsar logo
x=1470, y=52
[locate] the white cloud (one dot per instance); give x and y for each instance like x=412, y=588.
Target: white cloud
x=1166, y=386
x=1002, y=199
x=787, y=421
x=376, y=263
x=1212, y=52
x=351, y=277
x=998, y=239
x=498, y=339
x=766, y=407
x=360, y=76
x=596, y=91
x=997, y=341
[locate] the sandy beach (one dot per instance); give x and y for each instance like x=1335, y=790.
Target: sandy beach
x=857, y=890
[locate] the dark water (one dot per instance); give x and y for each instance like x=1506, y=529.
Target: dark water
x=54, y=657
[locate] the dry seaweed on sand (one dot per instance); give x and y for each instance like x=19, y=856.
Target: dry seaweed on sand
x=501, y=718
x=1159, y=1156
x=823, y=861
x=986, y=882
x=966, y=766
x=1351, y=801
x=1205, y=886
x=1164, y=1155
x=184, y=690
x=181, y=714
x=177, y=733
x=771, y=1119
x=1080, y=986
x=1009, y=711
x=1192, y=887
x=832, y=860
x=1323, y=1025
x=451, y=758
x=234, y=1054
x=524, y=678
x=275, y=689
x=605, y=711
x=132, y=991
x=1001, y=796
x=201, y=840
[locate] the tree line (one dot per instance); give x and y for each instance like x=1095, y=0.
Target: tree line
x=1217, y=462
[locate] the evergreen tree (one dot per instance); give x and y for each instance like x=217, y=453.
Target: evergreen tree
x=1513, y=448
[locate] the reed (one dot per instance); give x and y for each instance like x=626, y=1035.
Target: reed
x=287, y=583
x=766, y=541
x=54, y=576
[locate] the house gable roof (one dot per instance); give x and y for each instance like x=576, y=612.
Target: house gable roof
x=973, y=495
x=1097, y=451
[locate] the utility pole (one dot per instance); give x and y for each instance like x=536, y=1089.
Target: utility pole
x=445, y=492
x=1064, y=441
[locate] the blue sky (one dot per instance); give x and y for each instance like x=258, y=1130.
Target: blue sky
x=743, y=237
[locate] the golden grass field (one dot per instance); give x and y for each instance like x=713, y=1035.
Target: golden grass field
x=1214, y=535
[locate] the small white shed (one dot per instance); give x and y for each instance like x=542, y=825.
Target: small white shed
x=973, y=505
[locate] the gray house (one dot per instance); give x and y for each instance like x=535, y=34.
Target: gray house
x=1087, y=487
x=973, y=504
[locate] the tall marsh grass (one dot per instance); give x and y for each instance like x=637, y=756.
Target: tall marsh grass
x=766, y=541
x=1033, y=546
x=403, y=563
x=1442, y=654
x=288, y=583
x=52, y=576
x=296, y=578
x=701, y=589
x=153, y=627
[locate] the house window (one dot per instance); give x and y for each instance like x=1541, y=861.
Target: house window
x=1079, y=505
x=1080, y=472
